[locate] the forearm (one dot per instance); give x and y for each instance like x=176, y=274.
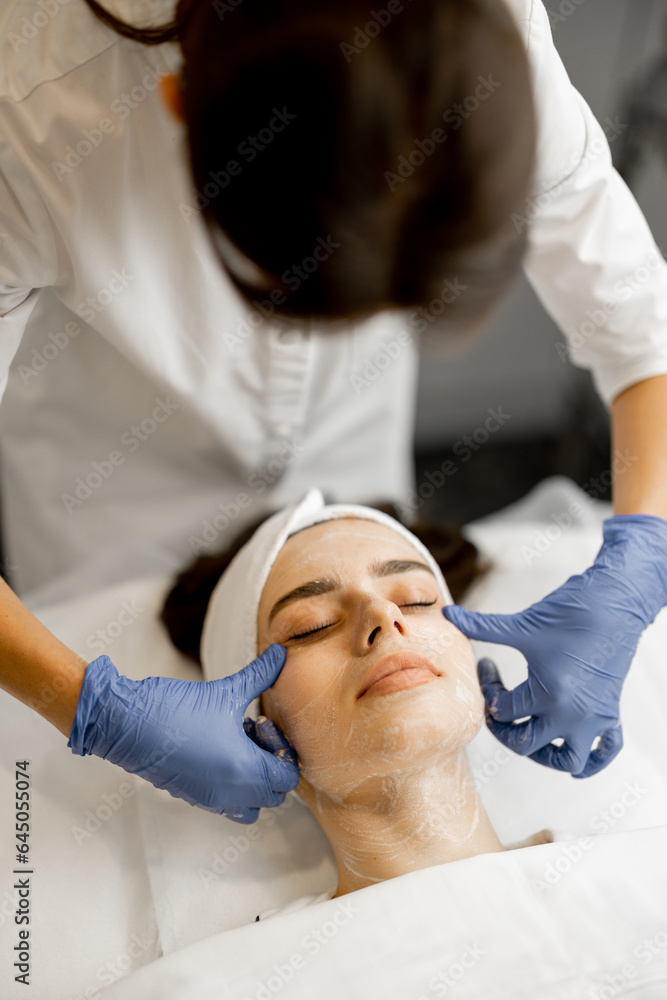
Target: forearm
x=639, y=434
x=36, y=667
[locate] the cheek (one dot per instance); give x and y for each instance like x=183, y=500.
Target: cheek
x=449, y=648
x=301, y=694
x=309, y=702
x=280, y=705
x=452, y=652
x=470, y=706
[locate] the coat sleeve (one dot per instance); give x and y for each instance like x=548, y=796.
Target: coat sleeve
x=592, y=259
x=28, y=258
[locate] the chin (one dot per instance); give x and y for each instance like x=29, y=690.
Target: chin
x=423, y=729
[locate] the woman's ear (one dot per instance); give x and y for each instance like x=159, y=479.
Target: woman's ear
x=172, y=95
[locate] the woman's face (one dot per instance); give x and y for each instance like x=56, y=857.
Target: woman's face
x=351, y=599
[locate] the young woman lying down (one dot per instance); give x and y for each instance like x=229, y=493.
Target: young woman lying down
x=378, y=695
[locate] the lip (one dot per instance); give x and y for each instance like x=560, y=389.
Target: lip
x=393, y=663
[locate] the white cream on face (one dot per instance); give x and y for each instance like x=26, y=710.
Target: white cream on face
x=343, y=742
x=385, y=775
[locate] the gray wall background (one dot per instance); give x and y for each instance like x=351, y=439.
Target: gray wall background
x=605, y=45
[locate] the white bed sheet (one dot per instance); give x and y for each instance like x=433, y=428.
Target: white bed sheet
x=481, y=929
x=159, y=876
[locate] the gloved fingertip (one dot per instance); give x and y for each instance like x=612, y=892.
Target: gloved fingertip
x=611, y=740
x=275, y=653
x=262, y=673
x=249, y=728
x=270, y=737
x=492, y=687
x=285, y=774
x=561, y=758
x=487, y=672
x=608, y=748
x=587, y=770
x=288, y=757
x=498, y=729
x=451, y=612
x=243, y=816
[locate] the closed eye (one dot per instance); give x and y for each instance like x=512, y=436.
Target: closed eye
x=312, y=631
x=321, y=628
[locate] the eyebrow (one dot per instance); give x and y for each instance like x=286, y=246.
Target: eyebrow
x=327, y=585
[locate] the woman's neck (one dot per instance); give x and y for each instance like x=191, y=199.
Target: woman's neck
x=400, y=823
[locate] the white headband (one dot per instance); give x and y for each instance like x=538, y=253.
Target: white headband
x=229, y=635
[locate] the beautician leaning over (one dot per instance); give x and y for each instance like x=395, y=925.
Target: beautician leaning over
x=332, y=179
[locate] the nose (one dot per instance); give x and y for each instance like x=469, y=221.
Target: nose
x=379, y=619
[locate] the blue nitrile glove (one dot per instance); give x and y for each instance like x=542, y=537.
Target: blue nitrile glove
x=188, y=736
x=579, y=643
x=265, y=733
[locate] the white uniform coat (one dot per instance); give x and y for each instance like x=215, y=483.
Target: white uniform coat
x=144, y=418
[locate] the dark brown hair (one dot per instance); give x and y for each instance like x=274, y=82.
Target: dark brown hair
x=185, y=605
x=365, y=92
